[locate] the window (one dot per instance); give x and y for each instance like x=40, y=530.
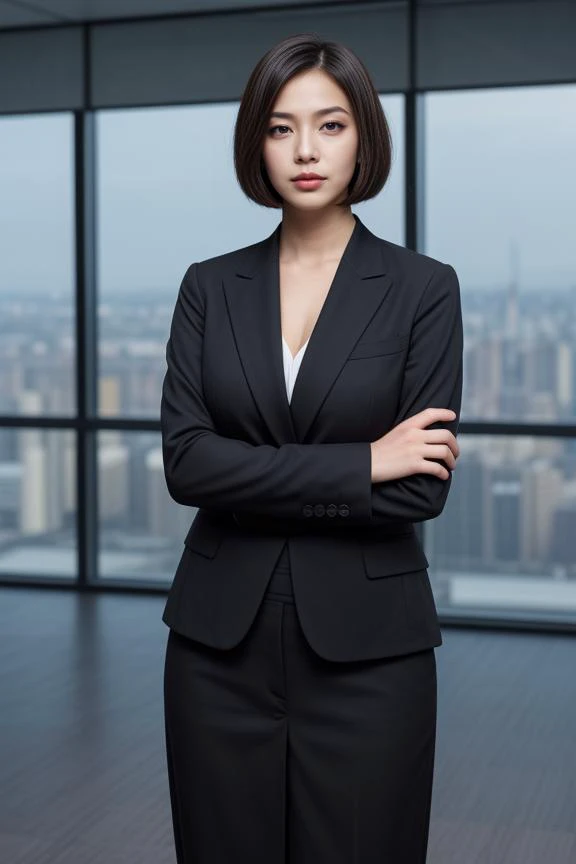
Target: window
x=37, y=349
x=38, y=503
x=505, y=540
x=141, y=529
x=500, y=187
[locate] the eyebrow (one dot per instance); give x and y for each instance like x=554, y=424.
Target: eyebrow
x=319, y=113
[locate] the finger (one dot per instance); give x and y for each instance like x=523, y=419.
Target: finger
x=430, y=415
x=441, y=451
x=436, y=468
x=442, y=436
x=441, y=413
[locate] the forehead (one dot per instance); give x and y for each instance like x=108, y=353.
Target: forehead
x=310, y=91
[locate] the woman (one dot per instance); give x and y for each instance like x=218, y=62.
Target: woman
x=309, y=411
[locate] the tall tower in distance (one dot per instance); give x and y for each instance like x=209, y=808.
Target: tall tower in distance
x=512, y=299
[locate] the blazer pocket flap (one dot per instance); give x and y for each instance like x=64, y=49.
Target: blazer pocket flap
x=378, y=347
x=204, y=538
x=395, y=555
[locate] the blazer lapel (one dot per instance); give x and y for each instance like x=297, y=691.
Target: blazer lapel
x=253, y=300
x=359, y=286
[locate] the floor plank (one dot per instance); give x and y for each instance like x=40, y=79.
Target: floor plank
x=83, y=770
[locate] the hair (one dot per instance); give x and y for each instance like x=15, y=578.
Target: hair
x=282, y=62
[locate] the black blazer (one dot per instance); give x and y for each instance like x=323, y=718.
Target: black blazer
x=261, y=470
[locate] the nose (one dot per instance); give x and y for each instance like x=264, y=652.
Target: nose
x=303, y=157
x=305, y=150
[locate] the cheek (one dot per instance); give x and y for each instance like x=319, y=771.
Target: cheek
x=271, y=160
x=346, y=156
x=352, y=140
x=352, y=149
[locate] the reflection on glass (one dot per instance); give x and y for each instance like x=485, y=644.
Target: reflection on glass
x=500, y=191
x=36, y=264
x=37, y=501
x=141, y=529
x=506, y=539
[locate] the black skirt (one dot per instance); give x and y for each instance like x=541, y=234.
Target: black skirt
x=278, y=756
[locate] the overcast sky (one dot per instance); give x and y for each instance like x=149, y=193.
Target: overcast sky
x=500, y=170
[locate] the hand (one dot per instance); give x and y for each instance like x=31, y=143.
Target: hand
x=409, y=447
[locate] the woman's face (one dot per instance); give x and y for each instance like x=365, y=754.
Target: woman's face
x=303, y=136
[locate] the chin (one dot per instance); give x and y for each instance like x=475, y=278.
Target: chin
x=313, y=201
x=312, y=206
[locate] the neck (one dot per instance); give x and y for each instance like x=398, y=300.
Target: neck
x=309, y=239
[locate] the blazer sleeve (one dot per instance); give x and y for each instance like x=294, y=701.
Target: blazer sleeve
x=432, y=378
x=205, y=469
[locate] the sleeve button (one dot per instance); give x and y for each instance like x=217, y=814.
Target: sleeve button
x=308, y=510
x=319, y=509
x=344, y=510
x=331, y=510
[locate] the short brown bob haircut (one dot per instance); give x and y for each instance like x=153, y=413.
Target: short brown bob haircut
x=282, y=62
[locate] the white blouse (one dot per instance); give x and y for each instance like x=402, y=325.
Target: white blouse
x=291, y=365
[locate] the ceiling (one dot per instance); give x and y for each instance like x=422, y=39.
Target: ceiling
x=37, y=13
x=44, y=13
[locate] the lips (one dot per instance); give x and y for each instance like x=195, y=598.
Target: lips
x=309, y=177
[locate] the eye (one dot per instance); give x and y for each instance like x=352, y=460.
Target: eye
x=334, y=124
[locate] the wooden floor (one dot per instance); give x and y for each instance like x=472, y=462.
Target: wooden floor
x=82, y=764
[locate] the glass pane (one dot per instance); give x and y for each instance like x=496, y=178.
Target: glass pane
x=506, y=539
x=500, y=191
x=37, y=503
x=168, y=196
x=141, y=529
x=37, y=349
